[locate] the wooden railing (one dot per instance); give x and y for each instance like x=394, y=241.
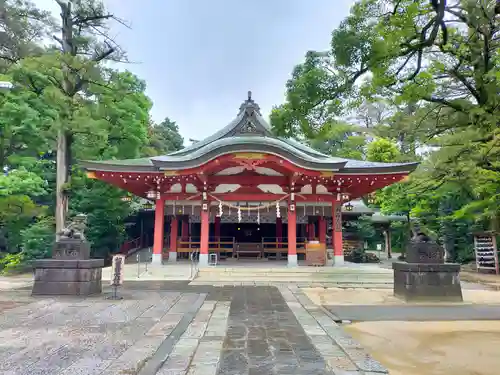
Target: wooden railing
x=228, y=247
x=276, y=245
x=224, y=245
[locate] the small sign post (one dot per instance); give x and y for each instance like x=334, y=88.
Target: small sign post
x=118, y=265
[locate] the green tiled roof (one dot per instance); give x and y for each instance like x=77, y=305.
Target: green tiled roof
x=139, y=161
x=248, y=132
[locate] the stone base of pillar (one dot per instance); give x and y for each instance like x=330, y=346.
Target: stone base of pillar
x=292, y=261
x=338, y=260
x=172, y=256
x=203, y=262
x=157, y=259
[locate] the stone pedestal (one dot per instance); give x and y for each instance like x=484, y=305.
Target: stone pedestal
x=424, y=276
x=427, y=282
x=68, y=277
x=69, y=272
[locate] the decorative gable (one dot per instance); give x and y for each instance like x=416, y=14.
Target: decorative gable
x=249, y=127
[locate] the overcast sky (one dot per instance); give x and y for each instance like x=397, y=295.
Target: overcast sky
x=200, y=57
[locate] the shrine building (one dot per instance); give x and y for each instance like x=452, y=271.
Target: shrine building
x=244, y=192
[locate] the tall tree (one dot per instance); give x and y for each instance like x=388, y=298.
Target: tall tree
x=439, y=62
x=84, y=44
x=165, y=137
x=340, y=139
x=22, y=27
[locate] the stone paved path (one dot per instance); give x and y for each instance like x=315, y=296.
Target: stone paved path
x=264, y=337
x=170, y=328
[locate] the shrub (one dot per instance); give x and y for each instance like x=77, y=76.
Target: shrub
x=37, y=241
x=13, y=263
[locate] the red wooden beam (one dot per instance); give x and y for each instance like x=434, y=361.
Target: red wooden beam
x=252, y=197
x=248, y=179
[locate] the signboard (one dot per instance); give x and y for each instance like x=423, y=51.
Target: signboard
x=486, y=250
x=379, y=247
x=117, y=268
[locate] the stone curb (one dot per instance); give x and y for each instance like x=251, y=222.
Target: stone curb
x=365, y=363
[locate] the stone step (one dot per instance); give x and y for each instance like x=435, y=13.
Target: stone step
x=301, y=284
x=203, y=273
x=298, y=270
x=292, y=278
x=302, y=274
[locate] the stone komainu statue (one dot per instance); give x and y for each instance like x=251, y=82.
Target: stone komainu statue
x=75, y=229
x=421, y=237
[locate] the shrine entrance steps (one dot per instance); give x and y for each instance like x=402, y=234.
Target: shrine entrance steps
x=255, y=274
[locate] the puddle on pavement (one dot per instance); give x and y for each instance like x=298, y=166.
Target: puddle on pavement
x=432, y=348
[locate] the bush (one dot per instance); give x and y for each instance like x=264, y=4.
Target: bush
x=38, y=239
x=13, y=263
x=360, y=256
x=37, y=242
x=355, y=256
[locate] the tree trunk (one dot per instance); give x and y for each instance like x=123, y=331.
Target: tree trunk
x=63, y=138
x=62, y=179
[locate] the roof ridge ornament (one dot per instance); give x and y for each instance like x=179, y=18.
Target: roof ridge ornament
x=249, y=105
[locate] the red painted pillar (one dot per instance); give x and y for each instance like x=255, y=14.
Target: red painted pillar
x=279, y=230
x=174, y=230
x=217, y=228
x=311, y=232
x=185, y=228
x=158, y=231
x=204, y=237
x=292, y=235
x=322, y=230
x=338, y=251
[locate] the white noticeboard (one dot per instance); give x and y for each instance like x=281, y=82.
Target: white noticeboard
x=117, y=268
x=485, y=246
x=379, y=247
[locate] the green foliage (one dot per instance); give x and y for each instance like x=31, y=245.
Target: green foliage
x=363, y=227
x=382, y=150
x=164, y=138
x=37, y=242
x=441, y=107
x=12, y=263
x=17, y=209
x=38, y=239
x=341, y=140
x=21, y=182
x=103, y=113
x=105, y=214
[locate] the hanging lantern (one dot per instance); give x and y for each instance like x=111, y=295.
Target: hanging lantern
x=220, y=209
x=258, y=217
x=147, y=206
x=152, y=194
x=239, y=215
x=345, y=197
x=349, y=207
x=126, y=198
x=278, y=213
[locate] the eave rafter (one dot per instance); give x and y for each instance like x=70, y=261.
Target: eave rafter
x=355, y=185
